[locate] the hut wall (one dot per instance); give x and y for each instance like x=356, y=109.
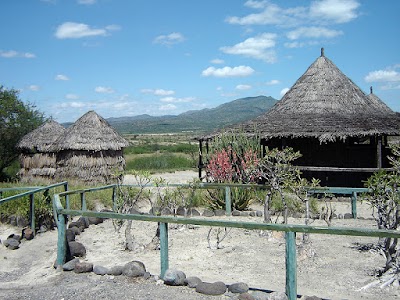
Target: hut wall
x=37, y=166
x=90, y=166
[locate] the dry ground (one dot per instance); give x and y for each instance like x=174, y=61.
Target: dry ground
x=337, y=271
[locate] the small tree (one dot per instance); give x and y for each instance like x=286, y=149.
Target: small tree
x=16, y=120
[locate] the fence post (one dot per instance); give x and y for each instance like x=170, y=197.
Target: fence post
x=354, y=205
x=164, y=248
x=83, y=202
x=228, y=202
x=291, y=266
x=32, y=211
x=66, y=196
x=61, y=241
x=114, y=197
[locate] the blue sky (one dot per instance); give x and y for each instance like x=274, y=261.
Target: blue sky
x=158, y=57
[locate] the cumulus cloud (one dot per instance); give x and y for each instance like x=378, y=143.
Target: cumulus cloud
x=72, y=30
x=103, y=90
x=13, y=53
x=272, y=82
x=73, y=104
x=284, y=91
x=240, y=71
x=177, y=100
x=169, y=39
x=61, y=77
x=167, y=107
x=243, y=87
x=255, y=47
x=389, y=78
x=158, y=92
x=312, y=32
x=337, y=11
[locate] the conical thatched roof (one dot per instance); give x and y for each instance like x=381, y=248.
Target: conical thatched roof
x=42, y=138
x=325, y=104
x=90, y=133
x=378, y=103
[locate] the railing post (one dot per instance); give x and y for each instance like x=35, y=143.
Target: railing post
x=228, y=202
x=291, y=266
x=354, y=204
x=61, y=241
x=32, y=211
x=164, y=248
x=83, y=201
x=66, y=196
x=114, y=197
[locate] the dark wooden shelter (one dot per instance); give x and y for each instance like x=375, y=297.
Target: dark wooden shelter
x=341, y=132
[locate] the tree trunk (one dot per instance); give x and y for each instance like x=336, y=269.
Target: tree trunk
x=267, y=213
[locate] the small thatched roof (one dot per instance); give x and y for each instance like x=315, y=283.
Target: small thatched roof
x=90, y=133
x=325, y=104
x=42, y=138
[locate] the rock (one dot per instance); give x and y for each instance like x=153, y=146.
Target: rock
x=11, y=243
x=277, y=296
x=216, y=288
x=348, y=216
x=146, y=275
x=180, y=211
x=27, y=233
x=77, y=249
x=246, y=296
x=166, y=211
x=259, y=213
x=305, y=297
x=219, y=212
x=70, y=265
x=208, y=213
x=238, y=288
x=43, y=229
x=244, y=213
x=70, y=235
x=100, y=270
x=252, y=214
x=258, y=295
x=83, y=267
x=76, y=230
x=194, y=212
x=192, y=281
x=134, y=269
x=95, y=220
x=115, y=270
x=15, y=237
x=236, y=213
x=174, y=277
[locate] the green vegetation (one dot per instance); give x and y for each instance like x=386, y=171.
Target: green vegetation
x=163, y=162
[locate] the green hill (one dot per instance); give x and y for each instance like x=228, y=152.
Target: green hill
x=204, y=120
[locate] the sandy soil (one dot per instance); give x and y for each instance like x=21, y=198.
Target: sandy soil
x=336, y=271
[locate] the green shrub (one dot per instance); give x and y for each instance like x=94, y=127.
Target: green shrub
x=160, y=162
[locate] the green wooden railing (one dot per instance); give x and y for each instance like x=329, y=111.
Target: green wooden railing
x=31, y=191
x=290, y=232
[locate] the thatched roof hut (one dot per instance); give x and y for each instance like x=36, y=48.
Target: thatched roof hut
x=37, y=160
x=330, y=120
x=90, y=150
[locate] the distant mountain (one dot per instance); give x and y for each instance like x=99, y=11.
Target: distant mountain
x=204, y=120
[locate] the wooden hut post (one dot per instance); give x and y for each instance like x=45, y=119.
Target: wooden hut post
x=379, y=152
x=200, y=166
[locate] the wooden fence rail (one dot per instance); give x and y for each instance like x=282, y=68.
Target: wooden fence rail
x=290, y=233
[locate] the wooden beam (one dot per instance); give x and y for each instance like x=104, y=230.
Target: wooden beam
x=337, y=169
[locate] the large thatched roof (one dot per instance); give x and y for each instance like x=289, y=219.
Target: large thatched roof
x=90, y=133
x=325, y=104
x=42, y=138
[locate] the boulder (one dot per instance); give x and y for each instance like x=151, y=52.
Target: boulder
x=304, y=297
x=15, y=237
x=238, y=288
x=277, y=296
x=246, y=296
x=259, y=295
x=194, y=212
x=95, y=220
x=208, y=213
x=174, y=277
x=192, y=281
x=115, y=270
x=75, y=230
x=27, y=233
x=70, y=265
x=83, y=267
x=11, y=243
x=215, y=288
x=134, y=269
x=236, y=213
x=100, y=270
x=76, y=249
x=70, y=234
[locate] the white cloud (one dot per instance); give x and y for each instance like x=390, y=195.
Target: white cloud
x=313, y=32
x=61, y=77
x=167, y=107
x=217, y=61
x=255, y=47
x=256, y=4
x=382, y=76
x=34, y=88
x=71, y=96
x=240, y=71
x=177, y=100
x=170, y=39
x=104, y=90
x=243, y=87
x=72, y=30
x=73, y=104
x=158, y=92
x=337, y=11
x=86, y=2
x=294, y=45
x=272, y=82
x=13, y=53
x=284, y=91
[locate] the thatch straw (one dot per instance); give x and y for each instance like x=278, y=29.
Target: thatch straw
x=325, y=104
x=42, y=138
x=90, y=132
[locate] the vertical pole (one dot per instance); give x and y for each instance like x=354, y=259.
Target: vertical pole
x=114, y=198
x=83, y=202
x=379, y=152
x=200, y=166
x=164, y=248
x=291, y=266
x=32, y=211
x=61, y=241
x=228, y=202
x=354, y=205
